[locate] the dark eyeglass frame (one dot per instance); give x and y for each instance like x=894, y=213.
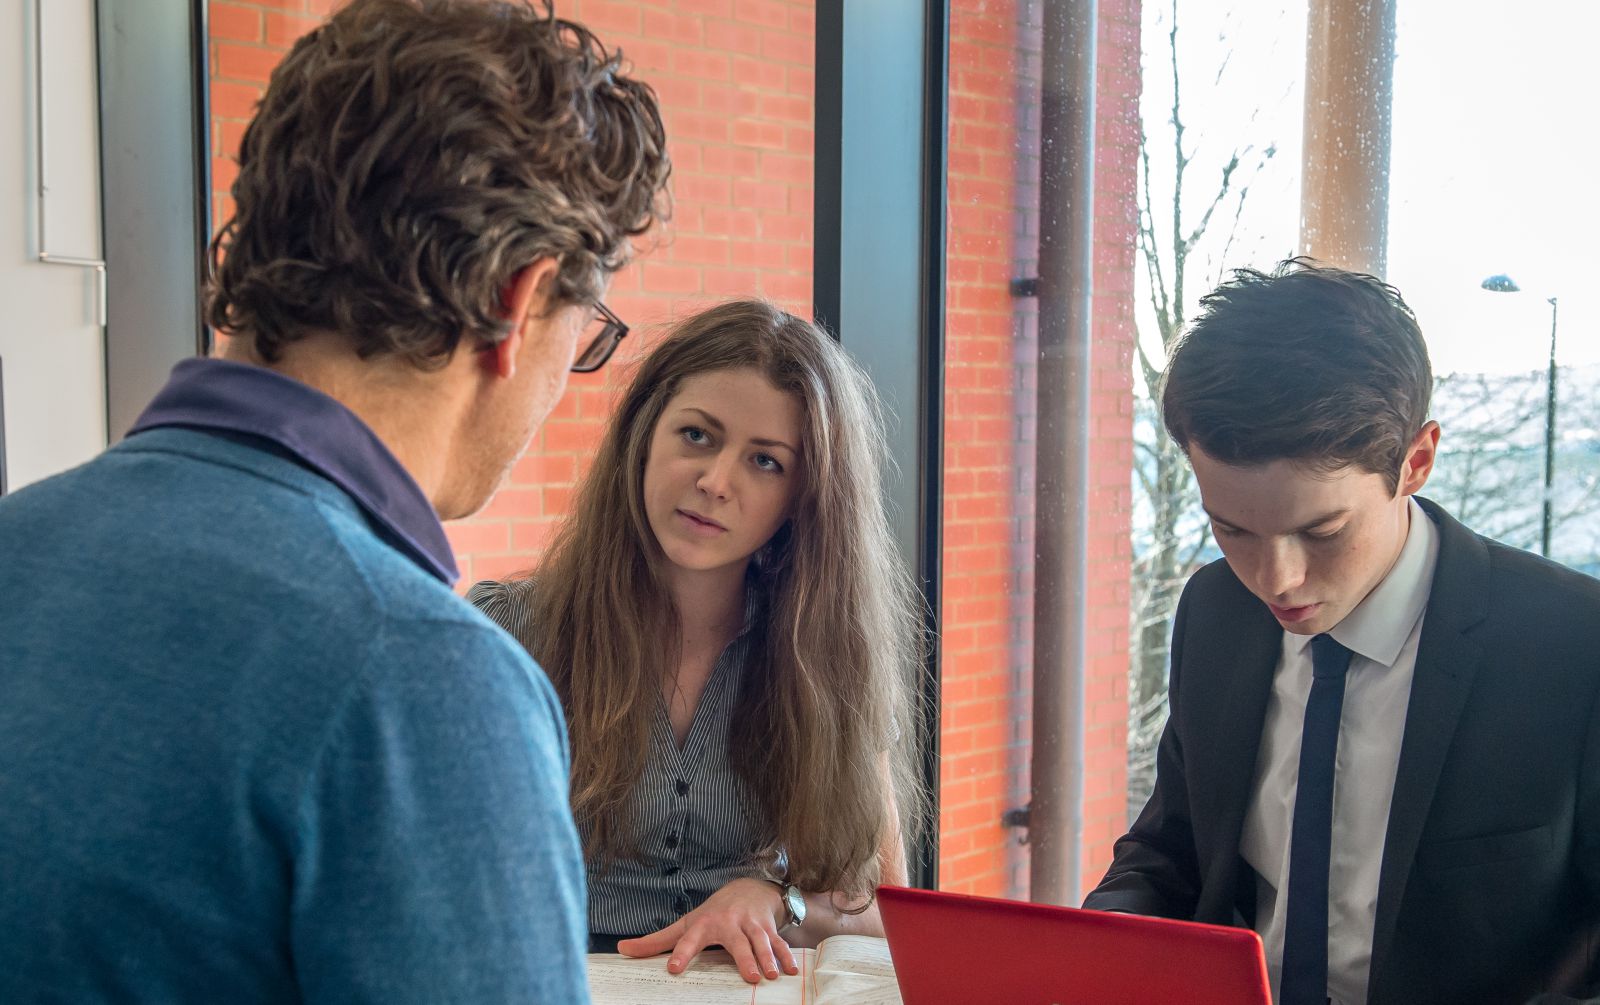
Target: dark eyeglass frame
x=600, y=348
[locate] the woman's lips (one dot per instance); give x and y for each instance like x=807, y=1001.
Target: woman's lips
x=700, y=524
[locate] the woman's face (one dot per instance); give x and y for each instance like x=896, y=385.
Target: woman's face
x=723, y=469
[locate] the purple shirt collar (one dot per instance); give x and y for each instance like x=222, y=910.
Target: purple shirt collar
x=316, y=430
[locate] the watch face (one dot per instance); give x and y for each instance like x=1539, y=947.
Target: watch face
x=796, y=903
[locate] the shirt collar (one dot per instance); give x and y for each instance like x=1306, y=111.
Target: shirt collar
x=1380, y=625
x=320, y=433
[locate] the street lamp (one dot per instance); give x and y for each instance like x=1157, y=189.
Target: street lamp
x=1503, y=283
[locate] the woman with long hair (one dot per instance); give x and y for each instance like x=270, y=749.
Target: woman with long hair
x=736, y=643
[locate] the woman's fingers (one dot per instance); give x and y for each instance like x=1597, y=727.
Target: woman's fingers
x=785, y=956
x=655, y=943
x=744, y=956
x=761, y=943
x=694, y=939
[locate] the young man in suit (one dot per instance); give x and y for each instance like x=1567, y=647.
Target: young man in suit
x=252, y=747
x=1384, y=745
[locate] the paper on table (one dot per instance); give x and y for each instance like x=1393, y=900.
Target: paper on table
x=856, y=969
x=851, y=969
x=712, y=979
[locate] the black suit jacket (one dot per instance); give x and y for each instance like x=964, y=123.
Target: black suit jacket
x=1490, y=881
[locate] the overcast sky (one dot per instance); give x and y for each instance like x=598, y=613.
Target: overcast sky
x=1493, y=163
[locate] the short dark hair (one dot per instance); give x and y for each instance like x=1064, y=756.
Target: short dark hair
x=410, y=156
x=1307, y=363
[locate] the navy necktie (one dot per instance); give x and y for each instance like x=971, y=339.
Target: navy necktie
x=1305, y=934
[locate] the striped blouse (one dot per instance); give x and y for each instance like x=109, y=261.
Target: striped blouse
x=697, y=826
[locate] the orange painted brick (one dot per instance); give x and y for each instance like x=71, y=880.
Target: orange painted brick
x=283, y=30
x=764, y=13
x=229, y=134
x=223, y=172
x=701, y=63
x=558, y=499
x=532, y=536
x=730, y=101
x=246, y=62
x=697, y=250
x=769, y=135
x=671, y=278
x=696, y=126
x=513, y=504
x=705, y=189
x=736, y=223
x=791, y=290
x=678, y=93
x=761, y=195
x=760, y=73
x=233, y=101
x=708, y=8
x=786, y=227
x=234, y=22
x=570, y=437
x=478, y=535
x=765, y=255
x=733, y=38
x=648, y=59
x=612, y=17
x=730, y=282
x=787, y=47
x=678, y=30
x=801, y=81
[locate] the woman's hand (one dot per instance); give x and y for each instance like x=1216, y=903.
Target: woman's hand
x=742, y=917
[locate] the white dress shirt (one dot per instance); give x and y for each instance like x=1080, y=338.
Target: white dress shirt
x=1381, y=634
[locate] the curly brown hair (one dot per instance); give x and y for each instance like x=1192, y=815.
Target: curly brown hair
x=410, y=156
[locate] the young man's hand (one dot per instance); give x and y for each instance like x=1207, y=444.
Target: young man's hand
x=742, y=917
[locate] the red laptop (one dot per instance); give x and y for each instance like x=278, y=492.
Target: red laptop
x=951, y=949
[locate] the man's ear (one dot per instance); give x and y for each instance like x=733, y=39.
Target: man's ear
x=525, y=296
x=1418, y=463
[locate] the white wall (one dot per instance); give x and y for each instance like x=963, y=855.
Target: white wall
x=52, y=344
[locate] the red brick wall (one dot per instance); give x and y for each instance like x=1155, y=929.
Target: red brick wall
x=737, y=83
x=988, y=464
x=990, y=405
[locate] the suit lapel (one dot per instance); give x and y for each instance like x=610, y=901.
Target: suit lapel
x=1447, y=660
x=1233, y=730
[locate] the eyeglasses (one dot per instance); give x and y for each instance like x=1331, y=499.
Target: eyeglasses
x=604, y=342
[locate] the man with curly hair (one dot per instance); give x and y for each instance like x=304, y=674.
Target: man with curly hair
x=252, y=746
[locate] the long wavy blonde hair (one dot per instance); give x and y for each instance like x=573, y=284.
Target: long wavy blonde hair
x=831, y=687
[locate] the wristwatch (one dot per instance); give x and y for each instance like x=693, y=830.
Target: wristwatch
x=794, y=906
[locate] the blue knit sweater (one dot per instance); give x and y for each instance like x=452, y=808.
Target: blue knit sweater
x=251, y=752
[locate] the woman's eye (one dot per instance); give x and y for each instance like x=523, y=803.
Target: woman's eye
x=766, y=462
x=694, y=434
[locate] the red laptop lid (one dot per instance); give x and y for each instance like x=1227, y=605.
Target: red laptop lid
x=951, y=949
